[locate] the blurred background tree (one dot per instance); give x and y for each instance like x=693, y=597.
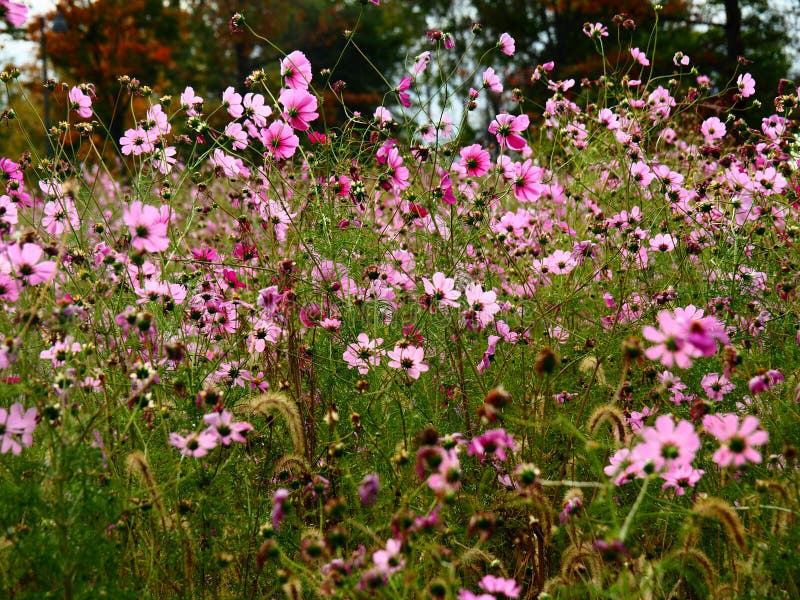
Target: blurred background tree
x=168, y=44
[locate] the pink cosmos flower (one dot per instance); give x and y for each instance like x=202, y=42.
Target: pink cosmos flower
x=24, y=263
x=58, y=213
x=220, y=425
x=746, y=85
x=298, y=108
x=164, y=159
x=232, y=102
x=640, y=57
x=492, y=443
x=667, y=445
x=13, y=12
x=363, y=353
x=680, y=59
x=527, y=181
x=736, y=439
x=421, y=62
x=765, y=381
x=228, y=165
x=296, y=71
x=716, y=386
x=713, y=129
x=408, y=358
x=507, y=129
x=593, y=30
x=662, y=242
x=80, y=102
x=483, y=306
x=147, y=227
x=402, y=89
x=499, y=585
x=389, y=560
x=195, y=445
x=446, y=188
x=475, y=160
x=9, y=292
x=683, y=335
x=137, y=141
x=624, y=466
x=681, y=477
x=492, y=81
x=382, y=115
x=559, y=262
x=280, y=140
x=9, y=214
x=254, y=108
x=397, y=172
x=16, y=428
x=446, y=481
x=507, y=44
x=278, y=513
x=441, y=289
x=488, y=355
x=191, y=101
x=368, y=489
x=237, y=135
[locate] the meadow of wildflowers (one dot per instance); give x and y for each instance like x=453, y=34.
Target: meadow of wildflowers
x=253, y=354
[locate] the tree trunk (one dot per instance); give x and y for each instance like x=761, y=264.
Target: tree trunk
x=733, y=31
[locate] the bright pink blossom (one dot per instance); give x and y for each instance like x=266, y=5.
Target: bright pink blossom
x=736, y=438
x=298, y=108
x=408, y=358
x=16, y=428
x=280, y=140
x=13, y=12
x=80, y=102
x=221, y=426
x=508, y=129
x=402, y=91
x=195, y=445
x=364, y=353
x=475, y=160
x=24, y=261
x=507, y=44
x=296, y=70
x=746, y=85
x=667, y=445
x=147, y=227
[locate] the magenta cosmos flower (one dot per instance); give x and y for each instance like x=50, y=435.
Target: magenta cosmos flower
x=25, y=263
x=402, y=91
x=736, y=439
x=296, y=71
x=147, y=226
x=475, y=160
x=493, y=442
x=13, y=12
x=279, y=140
x=298, y=108
x=408, y=358
x=507, y=129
